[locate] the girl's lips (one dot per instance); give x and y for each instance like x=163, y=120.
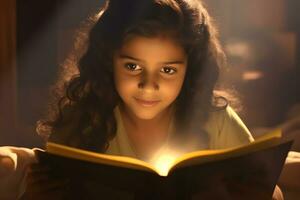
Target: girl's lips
x=146, y=103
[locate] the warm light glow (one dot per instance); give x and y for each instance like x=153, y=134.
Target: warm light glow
x=239, y=49
x=164, y=163
x=252, y=75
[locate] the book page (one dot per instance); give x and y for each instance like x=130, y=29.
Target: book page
x=202, y=156
x=167, y=160
x=122, y=161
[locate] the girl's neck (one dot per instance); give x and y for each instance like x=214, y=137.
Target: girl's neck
x=146, y=136
x=138, y=124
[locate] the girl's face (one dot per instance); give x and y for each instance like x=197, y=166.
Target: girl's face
x=149, y=73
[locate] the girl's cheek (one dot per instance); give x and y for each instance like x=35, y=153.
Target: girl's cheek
x=127, y=86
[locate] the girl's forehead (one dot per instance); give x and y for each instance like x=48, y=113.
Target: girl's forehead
x=152, y=49
x=138, y=42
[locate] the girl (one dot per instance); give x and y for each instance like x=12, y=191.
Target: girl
x=145, y=83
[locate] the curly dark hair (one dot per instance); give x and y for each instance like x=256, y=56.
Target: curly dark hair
x=84, y=117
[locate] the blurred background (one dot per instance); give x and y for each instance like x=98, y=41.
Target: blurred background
x=261, y=39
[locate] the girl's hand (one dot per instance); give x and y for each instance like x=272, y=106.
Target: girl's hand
x=13, y=162
x=13, y=159
x=40, y=184
x=7, y=166
x=8, y=161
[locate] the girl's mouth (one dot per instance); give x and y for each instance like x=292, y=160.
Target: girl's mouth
x=146, y=103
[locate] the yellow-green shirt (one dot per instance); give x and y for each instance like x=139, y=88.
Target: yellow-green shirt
x=224, y=128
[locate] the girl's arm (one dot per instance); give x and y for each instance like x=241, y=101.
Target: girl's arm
x=13, y=168
x=21, y=177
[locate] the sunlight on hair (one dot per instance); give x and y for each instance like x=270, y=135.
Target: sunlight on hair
x=101, y=11
x=99, y=14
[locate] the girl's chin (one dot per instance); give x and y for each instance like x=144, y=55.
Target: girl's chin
x=146, y=115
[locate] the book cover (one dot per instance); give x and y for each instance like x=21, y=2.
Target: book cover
x=245, y=172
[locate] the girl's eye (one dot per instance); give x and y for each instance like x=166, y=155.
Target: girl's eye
x=132, y=67
x=168, y=70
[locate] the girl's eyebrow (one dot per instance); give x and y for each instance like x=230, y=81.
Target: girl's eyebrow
x=140, y=60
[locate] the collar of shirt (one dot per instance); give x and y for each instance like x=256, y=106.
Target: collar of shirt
x=121, y=144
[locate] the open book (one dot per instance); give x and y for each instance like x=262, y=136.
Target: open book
x=244, y=172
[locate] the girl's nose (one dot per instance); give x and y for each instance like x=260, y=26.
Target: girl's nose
x=148, y=82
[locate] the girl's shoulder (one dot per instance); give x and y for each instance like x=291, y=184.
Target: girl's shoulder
x=226, y=129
